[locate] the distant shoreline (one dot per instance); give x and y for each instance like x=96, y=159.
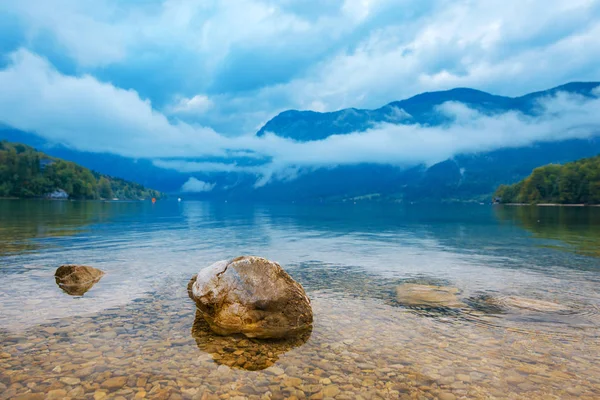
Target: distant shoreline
x=94, y=200
x=549, y=205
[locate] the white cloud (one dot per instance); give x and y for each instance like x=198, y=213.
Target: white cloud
x=87, y=114
x=194, y=185
x=350, y=53
x=198, y=104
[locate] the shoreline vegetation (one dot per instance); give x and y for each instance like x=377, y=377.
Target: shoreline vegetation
x=26, y=173
x=573, y=184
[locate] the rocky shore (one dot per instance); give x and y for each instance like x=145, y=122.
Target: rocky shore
x=359, y=348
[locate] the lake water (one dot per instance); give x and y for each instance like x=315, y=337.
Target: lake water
x=517, y=312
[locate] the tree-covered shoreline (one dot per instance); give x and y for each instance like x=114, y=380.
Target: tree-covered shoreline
x=28, y=173
x=576, y=182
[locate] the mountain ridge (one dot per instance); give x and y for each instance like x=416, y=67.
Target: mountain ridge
x=420, y=109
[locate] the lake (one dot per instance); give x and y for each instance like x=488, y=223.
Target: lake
x=515, y=311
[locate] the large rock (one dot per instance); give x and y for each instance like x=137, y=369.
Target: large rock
x=77, y=279
x=252, y=296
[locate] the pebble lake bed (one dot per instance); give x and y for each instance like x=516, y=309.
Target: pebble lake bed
x=452, y=303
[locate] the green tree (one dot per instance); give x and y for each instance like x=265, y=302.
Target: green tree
x=104, y=189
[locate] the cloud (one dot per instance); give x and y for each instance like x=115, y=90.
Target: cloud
x=194, y=185
x=231, y=66
x=87, y=114
x=199, y=104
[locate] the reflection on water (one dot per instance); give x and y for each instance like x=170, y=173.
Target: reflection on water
x=525, y=324
x=237, y=351
x=24, y=221
x=572, y=228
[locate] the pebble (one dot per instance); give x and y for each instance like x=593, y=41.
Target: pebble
x=70, y=381
x=446, y=396
x=331, y=391
x=56, y=394
x=114, y=383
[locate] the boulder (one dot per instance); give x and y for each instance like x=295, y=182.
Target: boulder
x=416, y=295
x=252, y=296
x=77, y=279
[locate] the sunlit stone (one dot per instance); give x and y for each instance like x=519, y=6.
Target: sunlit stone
x=252, y=296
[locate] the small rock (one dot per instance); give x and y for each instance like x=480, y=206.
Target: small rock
x=331, y=391
x=114, y=383
x=77, y=279
x=99, y=395
x=276, y=371
x=446, y=396
x=292, y=382
x=56, y=394
x=30, y=396
x=70, y=381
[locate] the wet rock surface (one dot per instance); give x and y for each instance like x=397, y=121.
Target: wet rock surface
x=76, y=280
x=252, y=296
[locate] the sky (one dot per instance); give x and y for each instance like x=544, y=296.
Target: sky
x=168, y=79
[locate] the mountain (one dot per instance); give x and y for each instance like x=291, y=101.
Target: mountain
x=464, y=177
x=420, y=109
x=25, y=172
x=576, y=182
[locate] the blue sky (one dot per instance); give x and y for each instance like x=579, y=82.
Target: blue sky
x=165, y=78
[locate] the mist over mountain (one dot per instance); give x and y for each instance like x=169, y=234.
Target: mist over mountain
x=420, y=109
x=463, y=176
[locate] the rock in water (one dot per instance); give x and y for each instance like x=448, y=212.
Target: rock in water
x=252, y=296
x=528, y=304
x=77, y=279
x=415, y=295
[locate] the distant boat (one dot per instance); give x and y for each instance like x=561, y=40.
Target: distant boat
x=179, y=199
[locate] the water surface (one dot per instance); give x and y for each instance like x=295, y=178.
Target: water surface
x=525, y=323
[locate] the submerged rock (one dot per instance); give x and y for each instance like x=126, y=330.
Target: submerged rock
x=252, y=296
x=524, y=303
x=416, y=295
x=237, y=351
x=77, y=279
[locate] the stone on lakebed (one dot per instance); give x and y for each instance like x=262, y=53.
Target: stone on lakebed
x=417, y=295
x=77, y=279
x=252, y=296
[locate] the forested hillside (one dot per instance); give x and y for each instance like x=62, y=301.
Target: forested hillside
x=576, y=182
x=25, y=172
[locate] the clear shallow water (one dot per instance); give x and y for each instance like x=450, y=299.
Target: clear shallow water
x=527, y=284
